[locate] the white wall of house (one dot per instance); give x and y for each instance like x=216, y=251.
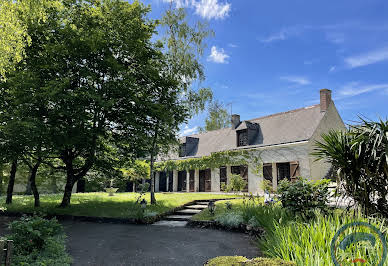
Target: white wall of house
x=330, y=121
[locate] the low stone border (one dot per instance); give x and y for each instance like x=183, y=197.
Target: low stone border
x=147, y=220
x=243, y=228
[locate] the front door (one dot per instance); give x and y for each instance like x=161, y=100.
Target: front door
x=205, y=180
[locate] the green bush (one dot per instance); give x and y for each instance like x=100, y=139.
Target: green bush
x=303, y=196
x=38, y=241
x=239, y=260
x=230, y=219
x=236, y=183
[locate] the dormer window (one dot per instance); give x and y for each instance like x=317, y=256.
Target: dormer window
x=242, y=138
x=182, y=150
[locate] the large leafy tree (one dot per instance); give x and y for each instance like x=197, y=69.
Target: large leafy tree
x=183, y=46
x=97, y=73
x=360, y=157
x=217, y=117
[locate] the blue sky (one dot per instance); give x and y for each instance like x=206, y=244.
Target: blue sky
x=274, y=56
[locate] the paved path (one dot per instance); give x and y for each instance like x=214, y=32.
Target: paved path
x=119, y=244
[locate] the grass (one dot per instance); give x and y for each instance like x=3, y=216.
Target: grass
x=205, y=215
x=99, y=204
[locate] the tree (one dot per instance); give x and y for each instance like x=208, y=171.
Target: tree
x=183, y=46
x=360, y=157
x=136, y=171
x=97, y=73
x=217, y=118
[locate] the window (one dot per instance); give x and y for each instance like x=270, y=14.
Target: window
x=267, y=172
x=242, y=138
x=182, y=150
x=283, y=171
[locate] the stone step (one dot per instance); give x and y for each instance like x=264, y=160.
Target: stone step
x=171, y=223
x=187, y=211
x=201, y=207
x=202, y=203
x=178, y=217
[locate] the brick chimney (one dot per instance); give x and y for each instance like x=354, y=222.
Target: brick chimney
x=235, y=121
x=325, y=99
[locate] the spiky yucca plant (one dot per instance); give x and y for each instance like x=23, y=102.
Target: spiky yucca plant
x=360, y=157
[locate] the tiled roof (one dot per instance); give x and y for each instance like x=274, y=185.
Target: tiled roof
x=287, y=127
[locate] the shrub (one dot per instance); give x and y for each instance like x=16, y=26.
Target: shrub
x=38, y=241
x=303, y=196
x=239, y=260
x=265, y=216
x=230, y=219
x=236, y=183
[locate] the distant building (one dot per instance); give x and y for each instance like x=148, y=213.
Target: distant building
x=284, y=139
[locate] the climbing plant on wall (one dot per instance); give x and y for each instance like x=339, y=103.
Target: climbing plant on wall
x=250, y=157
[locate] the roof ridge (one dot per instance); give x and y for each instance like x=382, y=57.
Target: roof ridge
x=286, y=112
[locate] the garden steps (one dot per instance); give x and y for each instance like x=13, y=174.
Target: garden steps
x=188, y=211
x=171, y=223
x=182, y=217
x=197, y=207
x=178, y=217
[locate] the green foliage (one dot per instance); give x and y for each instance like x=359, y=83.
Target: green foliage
x=360, y=157
x=308, y=243
x=230, y=219
x=267, y=186
x=14, y=16
x=236, y=183
x=215, y=160
x=239, y=260
x=38, y=241
x=303, y=196
x=217, y=118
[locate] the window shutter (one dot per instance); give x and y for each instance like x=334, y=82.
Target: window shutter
x=294, y=169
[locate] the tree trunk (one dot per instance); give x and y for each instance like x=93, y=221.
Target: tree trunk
x=32, y=181
x=11, y=182
x=153, y=199
x=134, y=186
x=67, y=194
x=1, y=178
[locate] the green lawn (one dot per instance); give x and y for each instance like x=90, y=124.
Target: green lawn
x=99, y=204
x=220, y=209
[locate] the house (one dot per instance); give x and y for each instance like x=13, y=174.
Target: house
x=284, y=141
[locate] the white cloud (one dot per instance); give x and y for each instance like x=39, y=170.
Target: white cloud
x=354, y=88
x=211, y=9
x=367, y=58
x=285, y=33
x=296, y=79
x=232, y=45
x=208, y=9
x=335, y=37
x=188, y=131
x=332, y=68
x=218, y=56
